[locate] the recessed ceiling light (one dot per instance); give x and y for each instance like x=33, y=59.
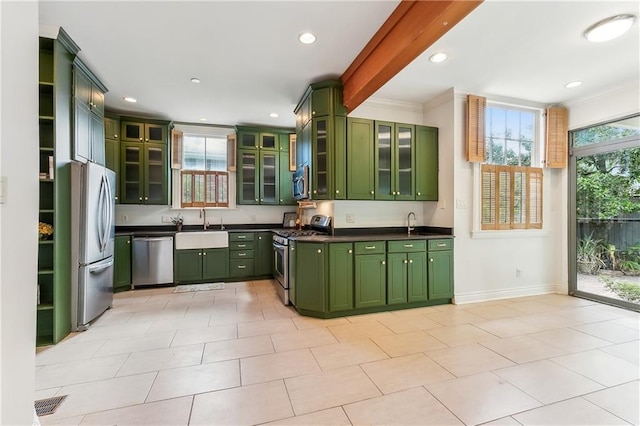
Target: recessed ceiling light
x=203, y=119
x=609, y=28
x=573, y=84
x=438, y=57
x=130, y=99
x=307, y=38
x=273, y=115
x=195, y=80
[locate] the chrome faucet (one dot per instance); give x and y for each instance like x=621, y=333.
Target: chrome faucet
x=409, y=227
x=204, y=219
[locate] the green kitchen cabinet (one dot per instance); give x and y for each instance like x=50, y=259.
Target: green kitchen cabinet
x=249, y=138
x=112, y=150
x=440, y=269
x=286, y=180
x=426, y=170
x=187, y=266
x=133, y=130
x=407, y=271
x=258, y=177
x=360, y=156
x=88, y=125
x=144, y=173
x=370, y=275
x=394, y=161
x=242, y=248
x=269, y=177
x=248, y=176
x=311, y=269
x=215, y=264
x=122, y=263
x=198, y=265
x=340, y=277
x=263, y=253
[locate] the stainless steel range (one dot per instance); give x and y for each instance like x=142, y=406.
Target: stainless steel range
x=319, y=225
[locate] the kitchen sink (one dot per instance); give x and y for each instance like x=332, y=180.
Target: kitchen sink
x=201, y=240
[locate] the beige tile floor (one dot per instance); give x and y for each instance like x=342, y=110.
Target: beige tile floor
x=238, y=356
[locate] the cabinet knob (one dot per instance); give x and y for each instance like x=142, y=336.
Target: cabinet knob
x=313, y=113
x=146, y=198
x=371, y=192
x=140, y=139
x=405, y=261
x=200, y=253
x=140, y=198
x=293, y=248
x=261, y=199
x=350, y=251
x=281, y=200
x=256, y=199
x=259, y=238
x=319, y=251
x=261, y=146
x=147, y=140
x=410, y=261
x=128, y=241
x=115, y=136
x=116, y=198
x=315, y=192
x=384, y=263
x=419, y=193
x=430, y=260
x=337, y=191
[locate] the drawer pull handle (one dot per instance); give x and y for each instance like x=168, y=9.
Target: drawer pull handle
x=241, y=266
x=242, y=245
x=442, y=244
x=370, y=247
x=242, y=237
x=242, y=254
x=408, y=245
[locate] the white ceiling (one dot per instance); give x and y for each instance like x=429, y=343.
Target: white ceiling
x=251, y=64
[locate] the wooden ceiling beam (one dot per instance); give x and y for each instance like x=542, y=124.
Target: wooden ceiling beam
x=410, y=30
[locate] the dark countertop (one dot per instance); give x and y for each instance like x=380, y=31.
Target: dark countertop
x=170, y=230
x=374, y=237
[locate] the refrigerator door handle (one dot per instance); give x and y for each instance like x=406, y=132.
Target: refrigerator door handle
x=100, y=218
x=104, y=212
x=100, y=267
x=109, y=207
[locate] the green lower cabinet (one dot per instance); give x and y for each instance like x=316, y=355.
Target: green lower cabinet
x=440, y=274
x=370, y=280
x=417, y=277
x=340, y=277
x=310, y=267
x=215, y=264
x=397, y=278
x=198, y=265
x=263, y=257
x=239, y=268
x=187, y=266
x=122, y=263
x=293, y=268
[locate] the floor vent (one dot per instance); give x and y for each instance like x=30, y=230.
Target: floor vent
x=48, y=406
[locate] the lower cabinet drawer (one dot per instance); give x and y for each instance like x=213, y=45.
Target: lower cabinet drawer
x=406, y=246
x=443, y=244
x=241, y=268
x=241, y=254
x=370, y=247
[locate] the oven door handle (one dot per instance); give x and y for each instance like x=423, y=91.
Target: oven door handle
x=279, y=246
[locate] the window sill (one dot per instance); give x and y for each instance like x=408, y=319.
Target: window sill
x=516, y=233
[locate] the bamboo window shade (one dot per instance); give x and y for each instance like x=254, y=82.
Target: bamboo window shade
x=204, y=188
x=557, y=141
x=176, y=149
x=476, y=149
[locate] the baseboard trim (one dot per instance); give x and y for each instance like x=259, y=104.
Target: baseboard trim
x=485, y=296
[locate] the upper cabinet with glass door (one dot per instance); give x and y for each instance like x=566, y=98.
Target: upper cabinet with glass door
x=394, y=161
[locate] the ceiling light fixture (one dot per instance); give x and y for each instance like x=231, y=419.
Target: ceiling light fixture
x=438, y=57
x=130, y=99
x=573, y=84
x=273, y=115
x=609, y=28
x=195, y=80
x=307, y=38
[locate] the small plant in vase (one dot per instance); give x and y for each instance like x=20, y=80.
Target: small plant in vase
x=44, y=230
x=178, y=221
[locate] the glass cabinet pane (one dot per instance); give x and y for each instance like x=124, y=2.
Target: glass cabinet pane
x=269, y=180
x=404, y=141
x=321, y=172
x=384, y=159
x=268, y=141
x=248, y=140
x=133, y=131
x=248, y=161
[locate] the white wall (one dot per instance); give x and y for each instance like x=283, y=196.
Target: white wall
x=617, y=103
x=19, y=213
x=486, y=264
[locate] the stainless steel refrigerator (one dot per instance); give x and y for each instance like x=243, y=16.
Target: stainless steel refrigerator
x=92, y=235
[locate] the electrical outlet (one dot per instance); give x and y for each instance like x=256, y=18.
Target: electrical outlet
x=518, y=273
x=350, y=218
x=125, y=218
x=460, y=204
x=166, y=219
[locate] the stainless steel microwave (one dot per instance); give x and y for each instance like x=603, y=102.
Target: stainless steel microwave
x=301, y=183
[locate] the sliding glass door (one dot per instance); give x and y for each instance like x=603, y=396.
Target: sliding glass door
x=605, y=205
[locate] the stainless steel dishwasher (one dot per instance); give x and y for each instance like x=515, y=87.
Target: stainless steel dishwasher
x=152, y=260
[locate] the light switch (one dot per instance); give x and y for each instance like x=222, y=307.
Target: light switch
x=3, y=189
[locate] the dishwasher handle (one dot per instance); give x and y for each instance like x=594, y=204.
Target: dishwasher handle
x=152, y=239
